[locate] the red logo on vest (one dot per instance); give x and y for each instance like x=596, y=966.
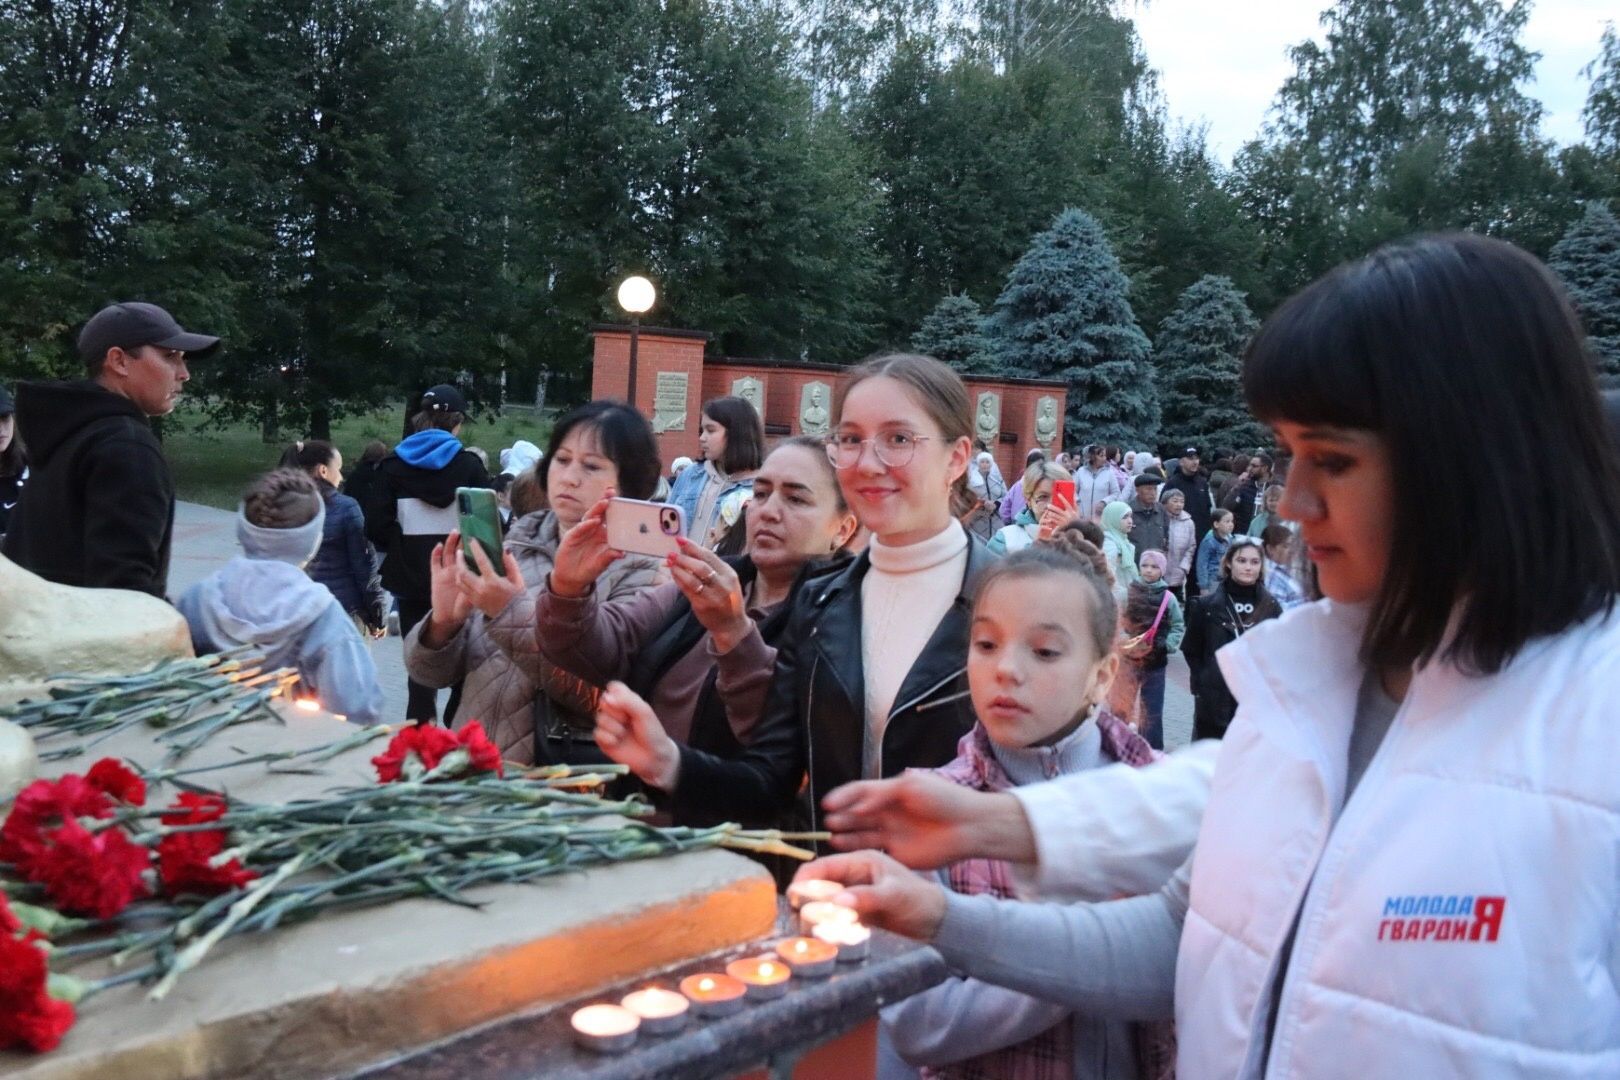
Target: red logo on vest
x=1442, y=918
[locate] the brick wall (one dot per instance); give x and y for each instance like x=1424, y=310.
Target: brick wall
x=683, y=351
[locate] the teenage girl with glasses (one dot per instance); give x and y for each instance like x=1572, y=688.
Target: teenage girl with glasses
x=871, y=675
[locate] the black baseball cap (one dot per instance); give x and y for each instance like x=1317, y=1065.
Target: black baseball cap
x=130, y=325
x=444, y=398
x=1191, y=451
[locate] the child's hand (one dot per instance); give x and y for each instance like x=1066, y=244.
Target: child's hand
x=628, y=731
x=886, y=894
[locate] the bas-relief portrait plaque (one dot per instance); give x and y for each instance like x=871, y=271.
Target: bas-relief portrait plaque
x=987, y=417
x=1046, y=420
x=750, y=390
x=815, y=408
x=669, y=402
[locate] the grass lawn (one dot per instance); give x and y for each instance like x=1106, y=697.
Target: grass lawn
x=213, y=466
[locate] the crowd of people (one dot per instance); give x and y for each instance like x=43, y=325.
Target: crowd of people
x=963, y=679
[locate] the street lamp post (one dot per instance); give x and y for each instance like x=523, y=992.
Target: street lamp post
x=636, y=295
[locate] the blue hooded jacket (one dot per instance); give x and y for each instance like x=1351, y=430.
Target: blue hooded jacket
x=430, y=449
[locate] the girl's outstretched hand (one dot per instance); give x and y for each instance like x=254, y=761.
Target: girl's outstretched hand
x=886, y=894
x=927, y=822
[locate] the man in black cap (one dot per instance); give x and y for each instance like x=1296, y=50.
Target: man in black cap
x=1189, y=479
x=1150, y=523
x=98, y=510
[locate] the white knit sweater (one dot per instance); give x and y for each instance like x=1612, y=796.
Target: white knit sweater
x=904, y=596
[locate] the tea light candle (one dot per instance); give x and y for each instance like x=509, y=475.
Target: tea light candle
x=803, y=892
x=660, y=1011
x=713, y=995
x=766, y=976
x=854, y=941
x=606, y=1029
x=809, y=957
x=817, y=912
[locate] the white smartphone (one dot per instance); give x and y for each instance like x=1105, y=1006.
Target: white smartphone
x=646, y=528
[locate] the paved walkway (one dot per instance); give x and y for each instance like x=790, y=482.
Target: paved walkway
x=205, y=538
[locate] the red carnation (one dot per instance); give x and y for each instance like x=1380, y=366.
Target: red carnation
x=43, y=806
x=94, y=874
x=485, y=756
x=185, y=860
x=428, y=742
x=116, y=779
x=29, y=1017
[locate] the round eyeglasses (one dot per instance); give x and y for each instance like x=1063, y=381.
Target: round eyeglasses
x=893, y=449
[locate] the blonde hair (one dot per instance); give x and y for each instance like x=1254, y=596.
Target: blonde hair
x=1040, y=470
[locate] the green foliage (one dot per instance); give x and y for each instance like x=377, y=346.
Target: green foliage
x=1065, y=314
x=1199, y=355
x=953, y=332
x=1602, y=111
x=1588, y=259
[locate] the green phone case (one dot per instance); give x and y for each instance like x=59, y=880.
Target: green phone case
x=480, y=523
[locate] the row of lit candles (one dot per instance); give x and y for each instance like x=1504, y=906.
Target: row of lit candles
x=830, y=934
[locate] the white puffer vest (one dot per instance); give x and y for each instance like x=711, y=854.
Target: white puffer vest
x=1461, y=918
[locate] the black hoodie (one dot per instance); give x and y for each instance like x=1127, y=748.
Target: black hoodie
x=98, y=509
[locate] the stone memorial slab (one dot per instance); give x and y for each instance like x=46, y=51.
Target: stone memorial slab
x=750, y=390
x=987, y=417
x=669, y=401
x=1047, y=423
x=346, y=989
x=815, y=408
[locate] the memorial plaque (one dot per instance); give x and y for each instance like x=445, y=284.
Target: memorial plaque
x=669, y=401
x=750, y=390
x=987, y=419
x=814, y=417
x=1046, y=420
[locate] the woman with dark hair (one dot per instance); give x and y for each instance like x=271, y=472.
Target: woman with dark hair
x=412, y=508
x=871, y=669
x=345, y=563
x=13, y=459
x=362, y=479
x=1407, y=865
x=1237, y=603
x=732, y=438
x=701, y=648
x=481, y=626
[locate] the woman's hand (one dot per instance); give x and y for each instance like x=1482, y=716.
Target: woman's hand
x=886, y=894
x=928, y=822
x=487, y=590
x=714, y=592
x=629, y=733
x=1057, y=514
x=583, y=553
x=450, y=607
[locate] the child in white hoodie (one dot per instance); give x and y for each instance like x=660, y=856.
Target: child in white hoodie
x=263, y=598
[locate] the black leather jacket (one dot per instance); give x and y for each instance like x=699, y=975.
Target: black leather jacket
x=815, y=716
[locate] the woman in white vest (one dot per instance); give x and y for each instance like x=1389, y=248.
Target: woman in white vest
x=1409, y=864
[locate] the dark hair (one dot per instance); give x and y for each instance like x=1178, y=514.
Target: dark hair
x=1262, y=459
x=1238, y=544
x=527, y=495
x=745, y=434
x=1218, y=514
x=625, y=438
x=500, y=482
x=818, y=450
x=281, y=499
x=374, y=452
x=1448, y=341
x=1065, y=553
x=443, y=419
x=1088, y=530
x=734, y=541
x=15, y=455
x=307, y=455
x=1272, y=535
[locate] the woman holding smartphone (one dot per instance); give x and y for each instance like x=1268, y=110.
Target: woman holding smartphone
x=1409, y=864
x=481, y=625
x=871, y=671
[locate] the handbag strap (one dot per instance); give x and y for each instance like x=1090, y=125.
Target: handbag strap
x=1164, y=605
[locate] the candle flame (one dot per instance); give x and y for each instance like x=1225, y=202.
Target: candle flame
x=767, y=969
x=705, y=984
x=307, y=704
x=801, y=946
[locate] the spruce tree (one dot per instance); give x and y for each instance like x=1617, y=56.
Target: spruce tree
x=1588, y=259
x=1199, y=353
x=1065, y=314
x=953, y=332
